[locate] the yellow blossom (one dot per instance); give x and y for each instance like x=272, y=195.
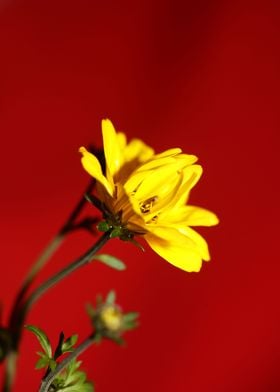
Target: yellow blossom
x=111, y=318
x=147, y=193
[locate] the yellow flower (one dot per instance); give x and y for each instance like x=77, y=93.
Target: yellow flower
x=147, y=194
x=111, y=318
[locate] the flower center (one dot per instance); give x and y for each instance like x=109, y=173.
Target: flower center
x=112, y=318
x=146, y=206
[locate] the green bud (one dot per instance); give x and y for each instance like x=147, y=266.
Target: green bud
x=116, y=232
x=103, y=226
x=109, y=321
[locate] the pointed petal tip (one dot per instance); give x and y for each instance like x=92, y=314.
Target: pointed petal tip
x=106, y=122
x=213, y=219
x=216, y=220
x=82, y=150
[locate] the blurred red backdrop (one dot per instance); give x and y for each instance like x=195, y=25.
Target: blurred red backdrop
x=202, y=75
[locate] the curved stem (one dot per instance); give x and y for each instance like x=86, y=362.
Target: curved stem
x=47, y=381
x=68, y=226
x=37, y=293
x=47, y=253
x=69, y=269
x=10, y=370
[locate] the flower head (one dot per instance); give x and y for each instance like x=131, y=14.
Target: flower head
x=146, y=194
x=108, y=319
x=111, y=318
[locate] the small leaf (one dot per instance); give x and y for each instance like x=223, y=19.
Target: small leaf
x=67, y=346
x=111, y=261
x=130, y=325
x=72, y=379
x=130, y=320
x=119, y=340
x=90, y=311
x=52, y=364
x=79, y=388
x=136, y=243
x=111, y=297
x=41, y=354
x=43, y=339
x=132, y=316
x=42, y=362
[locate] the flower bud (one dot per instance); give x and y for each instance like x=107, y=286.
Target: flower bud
x=108, y=319
x=111, y=318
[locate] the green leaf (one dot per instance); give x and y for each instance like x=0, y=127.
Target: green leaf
x=41, y=354
x=79, y=388
x=132, y=316
x=42, y=362
x=52, y=364
x=119, y=340
x=111, y=261
x=111, y=297
x=73, y=380
x=67, y=346
x=90, y=311
x=42, y=337
x=130, y=325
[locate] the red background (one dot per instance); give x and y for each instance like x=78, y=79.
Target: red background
x=202, y=75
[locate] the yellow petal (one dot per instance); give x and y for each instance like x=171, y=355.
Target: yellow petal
x=121, y=138
x=189, y=216
x=154, y=181
x=168, y=158
x=93, y=167
x=112, y=151
x=177, y=154
x=196, y=216
x=189, y=159
x=168, y=153
x=165, y=158
x=158, y=182
x=155, y=164
x=200, y=243
x=136, y=149
x=191, y=175
x=175, y=248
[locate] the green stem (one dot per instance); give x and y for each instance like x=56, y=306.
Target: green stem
x=43, y=258
x=10, y=367
x=10, y=370
x=11, y=359
x=69, y=269
x=37, y=293
x=47, y=381
x=47, y=253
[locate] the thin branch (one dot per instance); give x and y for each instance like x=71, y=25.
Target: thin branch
x=69, y=269
x=47, y=381
x=50, y=249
